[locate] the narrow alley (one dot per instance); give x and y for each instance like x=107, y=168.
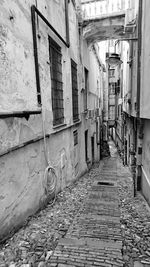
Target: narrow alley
x=94, y=222
x=74, y=133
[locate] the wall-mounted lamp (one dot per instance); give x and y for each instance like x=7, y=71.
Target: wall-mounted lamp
x=113, y=59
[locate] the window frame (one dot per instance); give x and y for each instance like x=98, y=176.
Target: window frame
x=55, y=57
x=75, y=101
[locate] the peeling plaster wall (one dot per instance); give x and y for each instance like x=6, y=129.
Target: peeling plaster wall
x=22, y=171
x=17, y=73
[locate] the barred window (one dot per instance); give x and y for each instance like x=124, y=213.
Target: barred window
x=74, y=91
x=56, y=82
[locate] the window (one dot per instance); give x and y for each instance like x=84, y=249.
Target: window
x=111, y=73
x=75, y=136
x=111, y=113
x=56, y=82
x=74, y=91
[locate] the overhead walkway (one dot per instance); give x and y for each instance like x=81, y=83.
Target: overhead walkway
x=116, y=25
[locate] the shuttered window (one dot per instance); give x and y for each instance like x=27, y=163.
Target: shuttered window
x=56, y=82
x=74, y=91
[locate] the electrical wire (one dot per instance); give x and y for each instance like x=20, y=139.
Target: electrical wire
x=50, y=177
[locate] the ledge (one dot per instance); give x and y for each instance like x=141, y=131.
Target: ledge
x=76, y=122
x=20, y=114
x=59, y=126
x=36, y=139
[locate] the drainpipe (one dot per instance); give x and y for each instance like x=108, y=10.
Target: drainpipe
x=67, y=23
x=139, y=57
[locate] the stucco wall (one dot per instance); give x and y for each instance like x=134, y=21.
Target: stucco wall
x=145, y=62
x=146, y=161
x=17, y=73
x=22, y=176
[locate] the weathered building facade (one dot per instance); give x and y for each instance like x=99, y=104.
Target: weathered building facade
x=143, y=96
x=51, y=87
x=134, y=81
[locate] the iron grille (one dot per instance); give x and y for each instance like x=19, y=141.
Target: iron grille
x=56, y=82
x=74, y=91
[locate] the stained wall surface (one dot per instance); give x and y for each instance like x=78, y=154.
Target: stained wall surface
x=22, y=182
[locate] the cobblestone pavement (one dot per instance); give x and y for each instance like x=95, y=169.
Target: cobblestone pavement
x=94, y=222
x=94, y=238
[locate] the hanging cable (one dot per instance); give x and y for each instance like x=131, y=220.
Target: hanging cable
x=50, y=177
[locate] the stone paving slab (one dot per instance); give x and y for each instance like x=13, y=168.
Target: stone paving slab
x=106, y=177
x=104, y=195
x=101, y=218
x=102, y=203
x=105, y=210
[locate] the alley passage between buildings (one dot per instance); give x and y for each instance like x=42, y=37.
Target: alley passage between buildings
x=82, y=228
x=94, y=238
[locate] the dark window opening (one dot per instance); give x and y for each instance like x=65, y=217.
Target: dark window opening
x=74, y=91
x=75, y=135
x=56, y=82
